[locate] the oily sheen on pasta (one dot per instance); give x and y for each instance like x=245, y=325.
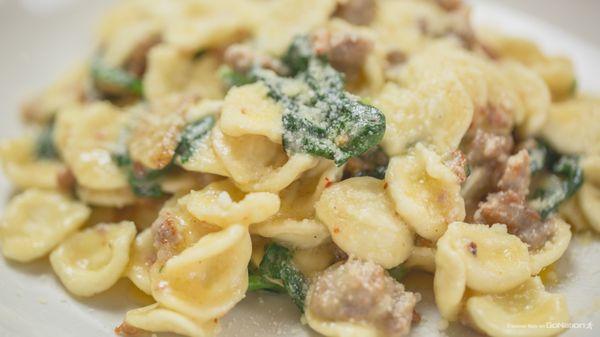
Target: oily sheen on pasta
x=331, y=152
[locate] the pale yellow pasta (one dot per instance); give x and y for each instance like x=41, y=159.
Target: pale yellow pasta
x=208, y=278
x=295, y=224
x=172, y=72
x=422, y=258
x=142, y=257
x=66, y=92
x=589, y=201
x=91, y=261
x=570, y=210
x=35, y=221
x=591, y=169
x=86, y=138
x=527, y=310
x=500, y=261
x=223, y=204
x=534, y=94
x=247, y=110
x=340, y=329
x=425, y=192
x=314, y=260
x=257, y=164
x=437, y=112
x=23, y=169
x=121, y=46
x=450, y=280
x=573, y=126
x=109, y=198
x=282, y=20
x=205, y=159
x=553, y=249
x=362, y=221
x=155, y=318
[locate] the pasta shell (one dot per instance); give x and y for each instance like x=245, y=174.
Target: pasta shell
x=143, y=256
x=248, y=111
x=91, y=261
x=426, y=193
x=362, y=221
x=207, y=279
x=22, y=168
x=589, y=201
x=553, y=249
x=155, y=318
x=340, y=329
x=257, y=164
x=223, y=204
x=527, y=310
x=35, y=221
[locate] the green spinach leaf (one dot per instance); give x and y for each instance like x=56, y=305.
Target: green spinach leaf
x=115, y=81
x=44, y=146
x=192, y=136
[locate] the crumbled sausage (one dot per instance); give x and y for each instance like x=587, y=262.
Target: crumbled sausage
x=450, y=5
x=126, y=330
x=166, y=236
x=347, y=51
x=396, y=57
x=510, y=208
x=517, y=175
x=359, y=291
x=457, y=162
x=358, y=12
x=242, y=58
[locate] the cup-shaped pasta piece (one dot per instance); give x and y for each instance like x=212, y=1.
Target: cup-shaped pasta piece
x=223, y=204
x=35, y=221
x=21, y=167
x=340, y=329
x=247, y=110
x=86, y=137
x=527, y=310
x=589, y=202
x=91, y=261
x=362, y=221
x=143, y=255
x=553, y=249
x=571, y=212
x=154, y=318
x=107, y=198
x=495, y=260
x=208, y=278
x=257, y=164
x=314, y=260
x=437, y=113
x=573, y=126
x=534, y=94
x=422, y=258
x=426, y=193
x=204, y=159
x=450, y=280
x=295, y=224
x=173, y=72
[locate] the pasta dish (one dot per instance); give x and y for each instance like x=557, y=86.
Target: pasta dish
x=317, y=149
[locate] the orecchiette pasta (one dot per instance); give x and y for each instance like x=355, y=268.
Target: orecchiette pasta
x=205, y=159
x=86, y=137
x=340, y=329
x=437, y=113
x=553, y=249
x=426, y=193
x=109, y=198
x=295, y=224
x=155, y=318
x=22, y=168
x=207, y=279
x=527, y=310
x=484, y=259
x=314, y=260
x=248, y=111
x=36, y=221
x=362, y=221
x=589, y=201
x=142, y=257
x=422, y=258
x=573, y=126
x=257, y=164
x=222, y=203
x=91, y=261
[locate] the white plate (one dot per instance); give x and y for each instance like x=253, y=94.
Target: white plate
x=37, y=45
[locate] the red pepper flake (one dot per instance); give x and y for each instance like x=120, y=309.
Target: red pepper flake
x=328, y=182
x=336, y=230
x=216, y=320
x=385, y=185
x=472, y=247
